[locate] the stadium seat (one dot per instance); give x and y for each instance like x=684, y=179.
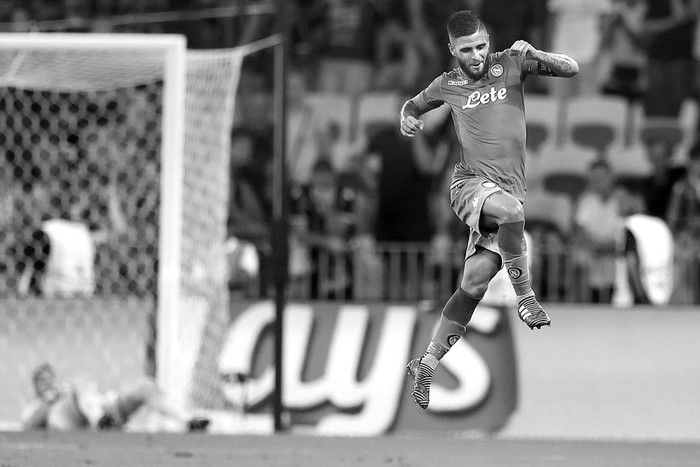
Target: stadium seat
x=542, y=119
x=565, y=168
x=630, y=160
x=667, y=128
x=682, y=131
x=545, y=209
x=630, y=165
x=597, y=121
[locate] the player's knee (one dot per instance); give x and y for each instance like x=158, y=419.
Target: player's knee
x=511, y=212
x=479, y=269
x=475, y=284
x=475, y=289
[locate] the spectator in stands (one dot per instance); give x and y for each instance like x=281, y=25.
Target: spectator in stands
x=524, y=20
x=308, y=137
x=10, y=194
x=45, y=10
x=250, y=202
x=70, y=264
x=28, y=243
x=404, y=179
x=576, y=32
x=79, y=404
x=669, y=30
x=14, y=16
x=406, y=53
x=622, y=53
x=344, y=43
x=683, y=219
x=683, y=213
x=327, y=219
x=598, y=224
x=405, y=174
x=75, y=10
x=656, y=188
x=59, y=258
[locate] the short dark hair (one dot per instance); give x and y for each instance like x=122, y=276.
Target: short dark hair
x=599, y=164
x=694, y=152
x=41, y=369
x=464, y=23
x=323, y=165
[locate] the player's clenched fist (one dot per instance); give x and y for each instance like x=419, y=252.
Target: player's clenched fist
x=524, y=49
x=410, y=125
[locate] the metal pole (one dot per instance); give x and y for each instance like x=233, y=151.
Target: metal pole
x=280, y=244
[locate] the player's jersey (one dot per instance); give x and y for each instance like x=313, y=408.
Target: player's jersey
x=489, y=118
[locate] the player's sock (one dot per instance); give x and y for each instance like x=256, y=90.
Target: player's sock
x=451, y=327
x=453, y=322
x=511, y=243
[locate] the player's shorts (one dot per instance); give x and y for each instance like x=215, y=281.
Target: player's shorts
x=65, y=415
x=467, y=196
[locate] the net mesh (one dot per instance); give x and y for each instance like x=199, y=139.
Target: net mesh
x=80, y=201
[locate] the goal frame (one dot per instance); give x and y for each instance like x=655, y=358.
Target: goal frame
x=174, y=50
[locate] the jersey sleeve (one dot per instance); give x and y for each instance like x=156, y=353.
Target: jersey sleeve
x=428, y=99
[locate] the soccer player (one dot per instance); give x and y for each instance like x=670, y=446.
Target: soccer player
x=79, y=404
x=485, y=95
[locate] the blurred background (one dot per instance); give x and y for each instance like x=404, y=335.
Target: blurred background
x=613, y=214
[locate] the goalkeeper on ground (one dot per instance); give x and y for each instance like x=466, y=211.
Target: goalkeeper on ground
x=80, y=405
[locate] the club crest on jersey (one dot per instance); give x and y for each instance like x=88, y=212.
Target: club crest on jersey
x=496, y=70
x=452, y=82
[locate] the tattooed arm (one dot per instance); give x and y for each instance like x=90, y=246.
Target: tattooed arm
x=551, y=64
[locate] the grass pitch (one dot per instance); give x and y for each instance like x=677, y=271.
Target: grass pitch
x=44, y=449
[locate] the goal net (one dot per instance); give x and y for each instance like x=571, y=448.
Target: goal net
x=114, y=198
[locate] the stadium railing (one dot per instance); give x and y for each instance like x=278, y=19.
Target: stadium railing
x=408, y=272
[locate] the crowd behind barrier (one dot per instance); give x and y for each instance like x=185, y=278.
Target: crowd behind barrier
x=366, y=213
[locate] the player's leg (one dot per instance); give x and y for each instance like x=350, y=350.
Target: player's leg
x=66, y=414
x=88, y=399
x=145, y=393
x=504, y=212
x=479, y=269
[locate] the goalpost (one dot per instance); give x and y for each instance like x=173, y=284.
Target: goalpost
x=136, y=128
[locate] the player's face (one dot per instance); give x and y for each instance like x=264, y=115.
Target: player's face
x=471, y=52
x=601, y=180
x=45, y=385
x=323, y=190
x=694, y=168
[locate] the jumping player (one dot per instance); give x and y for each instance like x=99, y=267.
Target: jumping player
x=79, y=404
x=485, y=95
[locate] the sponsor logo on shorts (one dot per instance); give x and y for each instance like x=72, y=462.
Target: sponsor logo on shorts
x=489, y=185
x=496, y=70
x=515, y=272
x=452, y=82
